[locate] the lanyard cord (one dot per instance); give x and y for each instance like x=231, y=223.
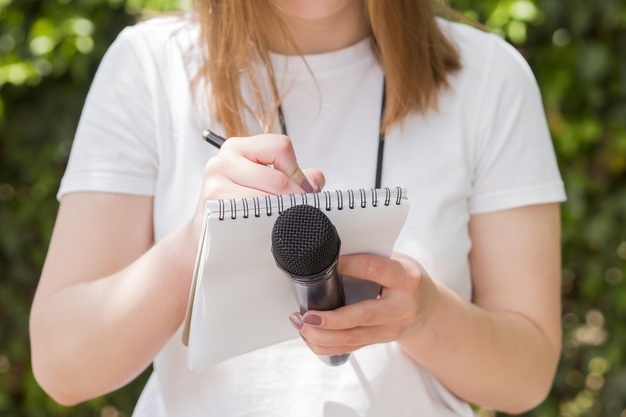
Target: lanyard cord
x=381, y=134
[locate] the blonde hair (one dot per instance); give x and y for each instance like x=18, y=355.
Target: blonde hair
x=415, y=56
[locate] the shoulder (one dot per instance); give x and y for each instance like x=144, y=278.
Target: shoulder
x=486, y=56
x=159, y=37
x=160, y=30
x=156, y=52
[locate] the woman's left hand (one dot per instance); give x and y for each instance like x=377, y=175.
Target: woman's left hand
x=407, y=298
x=509, y=331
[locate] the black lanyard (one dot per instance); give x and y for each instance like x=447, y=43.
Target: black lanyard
x=381, y=134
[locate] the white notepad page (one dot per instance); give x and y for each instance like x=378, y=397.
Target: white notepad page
x=240, y=301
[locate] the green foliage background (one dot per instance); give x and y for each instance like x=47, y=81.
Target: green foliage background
x=50, y=49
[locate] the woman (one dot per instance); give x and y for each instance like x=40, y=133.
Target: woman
x=469, y=310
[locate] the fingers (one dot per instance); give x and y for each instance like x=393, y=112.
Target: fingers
x=351, y=339
x=334, y=347
x=226, y=176
x=325, y=341
x=351, y=327
x=275, y=150
x=331, y=350
x=389, y=273
x=253, y=167
x=367, y=313
x=390, y=317
x=263, y=164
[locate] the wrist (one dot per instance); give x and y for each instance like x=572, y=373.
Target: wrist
x=429, y=326
x=179, y=251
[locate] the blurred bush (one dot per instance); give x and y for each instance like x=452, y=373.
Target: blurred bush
x=50, y=49
x=577, y=50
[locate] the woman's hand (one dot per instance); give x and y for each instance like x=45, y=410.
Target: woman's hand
x=510, y=331
x=252, y=167
x=113, y=265
x=407, y=298
x=255, y=166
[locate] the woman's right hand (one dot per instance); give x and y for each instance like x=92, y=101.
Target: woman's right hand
x=109, y=297
x=252, y=167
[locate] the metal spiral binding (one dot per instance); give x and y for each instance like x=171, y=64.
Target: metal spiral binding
x=329, y=203
x=399, y=196
x=281, y=205
x=233, y=209
x=363, y=198
x=339, y=200
x=278, y=202
x=245, y=207
x=257, y=207
x=220, y=203
x=268, y=205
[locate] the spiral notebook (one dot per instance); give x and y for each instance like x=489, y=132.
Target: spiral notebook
x=239, y=300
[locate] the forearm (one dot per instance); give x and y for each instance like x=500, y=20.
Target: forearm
x=497, y=359
x=92, y=337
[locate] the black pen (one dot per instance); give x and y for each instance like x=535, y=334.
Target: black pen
x=213, y=138
x=217, y=141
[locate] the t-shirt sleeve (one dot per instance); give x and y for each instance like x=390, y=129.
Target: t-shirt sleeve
x=515, y=161
x=114, y=149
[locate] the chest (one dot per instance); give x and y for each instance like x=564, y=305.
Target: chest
x=334, y=126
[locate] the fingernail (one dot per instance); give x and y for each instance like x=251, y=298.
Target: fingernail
x=318, y=186
x=306, y=186
x=313, y=319
x=296, y=321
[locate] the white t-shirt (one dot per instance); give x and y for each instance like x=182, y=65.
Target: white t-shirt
x=487, y=148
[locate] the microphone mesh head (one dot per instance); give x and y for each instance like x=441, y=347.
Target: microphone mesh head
x=304, y=241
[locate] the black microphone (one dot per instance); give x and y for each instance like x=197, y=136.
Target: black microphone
x=305, y=245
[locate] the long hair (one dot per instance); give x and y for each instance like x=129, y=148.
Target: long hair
x=415, y=56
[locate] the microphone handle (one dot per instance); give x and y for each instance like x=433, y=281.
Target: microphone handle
x=321, y=292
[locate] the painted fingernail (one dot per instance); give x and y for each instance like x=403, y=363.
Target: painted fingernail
x=318, y=186
x=296, y=322
x=313, y=319
x=306, y=186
